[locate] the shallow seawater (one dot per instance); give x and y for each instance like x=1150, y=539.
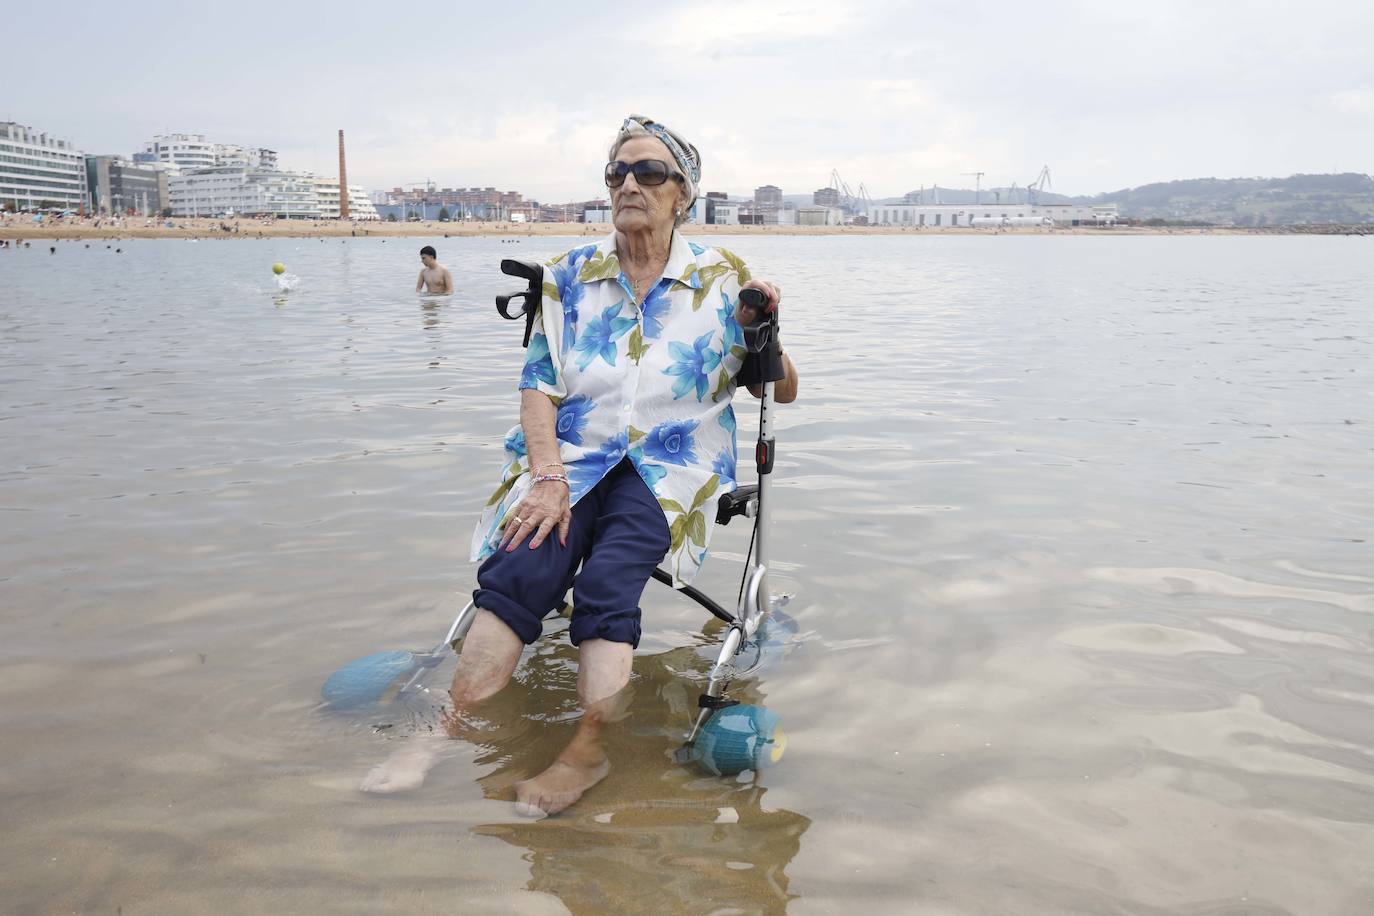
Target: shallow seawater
x=1077, y=529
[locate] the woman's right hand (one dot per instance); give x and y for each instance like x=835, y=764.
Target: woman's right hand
x=545, y=507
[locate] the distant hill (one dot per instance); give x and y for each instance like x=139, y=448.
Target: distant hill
x=947, y=196
x=955, y=196
x=1341, y=198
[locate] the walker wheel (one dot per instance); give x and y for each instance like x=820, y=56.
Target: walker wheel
x=371, y=679
x=740, y=738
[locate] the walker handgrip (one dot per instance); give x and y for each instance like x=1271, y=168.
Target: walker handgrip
x=764, y=360
x=529, y=297
x=525, y=270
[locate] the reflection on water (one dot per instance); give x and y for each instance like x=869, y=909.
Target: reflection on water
x=654, y=836
x=1078, y=530
x=429, y=310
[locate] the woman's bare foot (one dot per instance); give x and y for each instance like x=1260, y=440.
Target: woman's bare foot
x=490, y=652
x=558, y=787
x=405, y=770
x=602, y=676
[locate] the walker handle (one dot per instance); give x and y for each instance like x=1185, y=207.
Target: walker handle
x=529, y=297
x=764, y=360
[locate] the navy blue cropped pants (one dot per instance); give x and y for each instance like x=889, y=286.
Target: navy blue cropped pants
x=618, y=535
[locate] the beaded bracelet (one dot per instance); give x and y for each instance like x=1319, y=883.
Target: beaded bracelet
x=542, y=466
x=540, y=478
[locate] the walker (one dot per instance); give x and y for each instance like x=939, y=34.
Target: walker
x=726, y=737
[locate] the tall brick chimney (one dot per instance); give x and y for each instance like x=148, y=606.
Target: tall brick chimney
x=343, y=181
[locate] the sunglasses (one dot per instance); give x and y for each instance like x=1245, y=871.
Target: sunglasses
x=649, y=173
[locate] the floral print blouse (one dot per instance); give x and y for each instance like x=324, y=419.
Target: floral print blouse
x=651, y=382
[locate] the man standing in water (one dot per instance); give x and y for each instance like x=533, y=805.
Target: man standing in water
x=434, y=277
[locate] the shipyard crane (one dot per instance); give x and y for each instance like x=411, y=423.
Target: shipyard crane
x=850, y=201
x=977, y=185
x=838, y=183
x=864, y=199
x=1041, y=182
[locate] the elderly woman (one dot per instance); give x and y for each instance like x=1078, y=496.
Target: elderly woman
x=626, y=438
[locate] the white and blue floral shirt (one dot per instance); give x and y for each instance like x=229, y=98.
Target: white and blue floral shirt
x=651, y=382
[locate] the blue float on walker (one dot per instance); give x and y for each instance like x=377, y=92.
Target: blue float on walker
x=369, y=680
x=739, y=738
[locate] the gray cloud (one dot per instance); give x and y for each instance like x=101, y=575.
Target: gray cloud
x=897, y=95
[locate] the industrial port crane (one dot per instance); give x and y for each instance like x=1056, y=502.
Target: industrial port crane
x=1041, y=182
x=977, y=186
x=851, y=203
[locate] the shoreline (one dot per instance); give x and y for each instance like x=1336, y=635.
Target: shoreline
x=135, y=228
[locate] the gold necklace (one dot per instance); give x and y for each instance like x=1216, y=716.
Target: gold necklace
x=640, y=288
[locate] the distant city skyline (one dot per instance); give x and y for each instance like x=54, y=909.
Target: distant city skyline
x=893, y=95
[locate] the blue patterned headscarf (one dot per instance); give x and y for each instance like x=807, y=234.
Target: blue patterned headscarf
x=684, y=154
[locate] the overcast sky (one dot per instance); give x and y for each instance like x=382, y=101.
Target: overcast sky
x=896, y=95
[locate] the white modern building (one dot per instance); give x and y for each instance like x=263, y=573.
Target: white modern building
x=192, y=152
x=188, y=152
x=240, y=191
x=237, y=191
x=979, y=215
x=232, y=155
x=360, y=205
x=251, y=157
x=713, y=211
x=37, y=170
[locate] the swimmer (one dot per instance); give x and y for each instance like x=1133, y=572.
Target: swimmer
x=434, y=278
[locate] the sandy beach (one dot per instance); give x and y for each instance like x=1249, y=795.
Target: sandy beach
x=21, y=227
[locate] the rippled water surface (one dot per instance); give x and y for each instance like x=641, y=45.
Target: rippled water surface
x=1077, y=529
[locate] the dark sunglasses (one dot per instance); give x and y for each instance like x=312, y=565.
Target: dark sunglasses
x=649, y=173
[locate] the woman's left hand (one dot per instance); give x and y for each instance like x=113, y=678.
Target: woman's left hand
x=746, y=315
x=786, y=389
